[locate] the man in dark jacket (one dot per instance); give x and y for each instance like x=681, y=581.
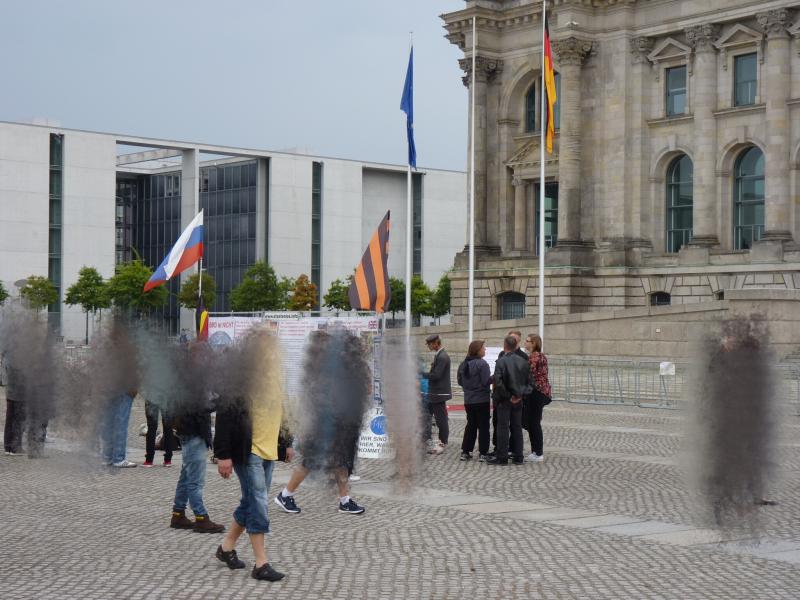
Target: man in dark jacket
x=510, y=380
x=439, y=392
x=15, y=408
x=521, y=353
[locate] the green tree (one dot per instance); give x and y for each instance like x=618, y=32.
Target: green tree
x=440, y=298
x=420, y=297
x=398, y=301
x=259, y=290
x=3, y=293
x=304, y=296
x=39, y=292
x=89, y=292
x=188, y=294
x=286, y=286
x=125, y=289
x=337, y=297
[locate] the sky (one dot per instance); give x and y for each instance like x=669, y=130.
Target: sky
x=317, y=76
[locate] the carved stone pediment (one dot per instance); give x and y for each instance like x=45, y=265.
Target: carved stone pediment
x=670, y=49
x=525, y=154
x=738, y=36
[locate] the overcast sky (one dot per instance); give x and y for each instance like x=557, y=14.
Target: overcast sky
x=318, y=75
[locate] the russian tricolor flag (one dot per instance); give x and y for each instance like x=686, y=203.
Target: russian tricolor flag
x=186, y=251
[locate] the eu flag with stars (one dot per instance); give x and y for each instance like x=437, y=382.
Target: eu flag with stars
x=407, y=106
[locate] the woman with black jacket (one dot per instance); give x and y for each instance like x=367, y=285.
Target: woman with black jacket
x=475, y=379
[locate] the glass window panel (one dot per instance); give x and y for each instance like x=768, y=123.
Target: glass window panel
x=745, y=79
x=212, y=179
x=676, y=90
x=251, y=226
x=235, y=202
x=251, y=196
x=251, y=252
x=55, y=211
x=160, y=185
x=253, y=173
x=530, y=109
x=169, y=186
x=228, y=207
x=226, y=220
x=243, y=226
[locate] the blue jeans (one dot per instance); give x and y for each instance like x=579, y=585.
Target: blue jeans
x=193, y=476
x=255, y=478
x=115, y=429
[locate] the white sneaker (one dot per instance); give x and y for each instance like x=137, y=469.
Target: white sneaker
x=124, y=464
x=354, y=477
x=533, y=457
x=437, y=448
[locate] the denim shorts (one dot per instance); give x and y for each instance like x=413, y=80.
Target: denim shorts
x=255, y=478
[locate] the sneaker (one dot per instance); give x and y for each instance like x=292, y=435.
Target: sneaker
x=533, y=457
x=287, y=503
x=123, y=464
x=12, y=453
x=230, y=558
x=351, y=507
x=496, y=461
x=518, y=460
x=147, y=464
x=436, y=448
x=179, y=520
x=465, y=456
x=167, y=463
x=203, y=524
x=483, y=458
x=354, y=477
x=266, y=573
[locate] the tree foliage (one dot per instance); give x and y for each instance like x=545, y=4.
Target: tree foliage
x=286, y=285
x=39, y=292
x=420, y=297
x=336, y=297
x=88, y=292
x=398, y=301
x=3, y=293
x=440, y=298
x=304, y=296
x=125, y=288
x=188, y=294
x=259, y=290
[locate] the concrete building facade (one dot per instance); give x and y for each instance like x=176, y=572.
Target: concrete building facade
x=676, y=170
x=72, y=198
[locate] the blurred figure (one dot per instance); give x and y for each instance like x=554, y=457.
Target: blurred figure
x=533, y=404
x=11, y=378
x=474, y=377
x=439, y=392
x=152, y=410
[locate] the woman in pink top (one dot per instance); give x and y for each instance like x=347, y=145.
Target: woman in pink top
x=532, y=411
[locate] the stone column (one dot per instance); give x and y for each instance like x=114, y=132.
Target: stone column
x=485, y=70
x=777, y=82
x=570, y=53
x=639, y=218
x=705, y=219
x=520, y=214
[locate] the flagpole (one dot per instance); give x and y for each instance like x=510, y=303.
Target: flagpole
x=541, y=183
x=409, y=227
x=471, y=286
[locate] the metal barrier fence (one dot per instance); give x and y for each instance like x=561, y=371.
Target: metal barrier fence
x=642, y=383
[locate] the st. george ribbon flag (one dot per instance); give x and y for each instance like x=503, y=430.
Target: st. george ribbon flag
x=370, y=289
x=186, y=251
x=407, y=106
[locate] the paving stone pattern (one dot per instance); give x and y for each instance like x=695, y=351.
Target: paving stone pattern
x=607, y=515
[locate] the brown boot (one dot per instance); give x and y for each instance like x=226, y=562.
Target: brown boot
x=203, y=524
x=179, y=520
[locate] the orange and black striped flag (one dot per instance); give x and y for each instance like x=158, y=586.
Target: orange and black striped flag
x=550, y=88
x=370, y=288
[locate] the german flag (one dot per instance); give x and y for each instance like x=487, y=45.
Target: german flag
x=370, y=288
x=550, y=88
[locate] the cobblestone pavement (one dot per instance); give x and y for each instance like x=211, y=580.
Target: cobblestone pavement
x=607, y=515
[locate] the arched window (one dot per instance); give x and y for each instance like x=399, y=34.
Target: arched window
x=511, y=305
x=679, y=203
x=748, y=199
x=530, y=109
x=660, y=299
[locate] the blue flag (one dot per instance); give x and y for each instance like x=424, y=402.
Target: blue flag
x=407, y=106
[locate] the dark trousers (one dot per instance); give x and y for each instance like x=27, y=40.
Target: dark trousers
x=152, y=411
x=533, y=423
x=37, y=433
x=477, y=427
x=509, y=416
x=15, y=426
x=439, y=412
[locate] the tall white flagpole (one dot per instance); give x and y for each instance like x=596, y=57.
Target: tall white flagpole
x=541, y=184
x=409, y=227
x=471, y=286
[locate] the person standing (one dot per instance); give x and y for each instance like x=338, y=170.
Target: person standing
x=475, y=379
x=152, y=410
x=15, y=408
x=518, y=335
x=538, y=399
x=439, y=392
x=114, y=433
x=511, y=376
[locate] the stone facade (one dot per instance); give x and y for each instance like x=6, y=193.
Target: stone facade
x=617, y=145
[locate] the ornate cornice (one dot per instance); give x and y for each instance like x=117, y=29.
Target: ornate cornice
x=573, y=50
x=775, y=22
x=640, y=47
x=486, y=69
x=702, y=37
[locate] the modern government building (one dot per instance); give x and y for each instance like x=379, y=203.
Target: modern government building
x=72, y=198
x=676, y=170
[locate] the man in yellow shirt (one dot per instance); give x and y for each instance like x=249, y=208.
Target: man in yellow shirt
x=246, y=442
